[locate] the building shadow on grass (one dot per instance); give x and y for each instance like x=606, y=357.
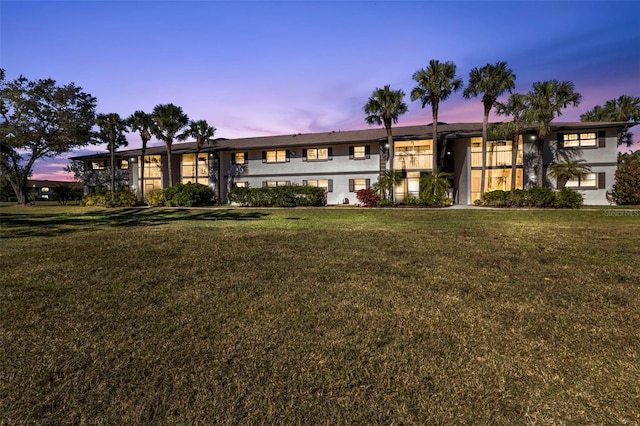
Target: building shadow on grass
x=17, y=225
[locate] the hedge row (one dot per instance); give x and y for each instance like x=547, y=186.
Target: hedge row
x=279, y=196
x=565, y=198
x=121, y=198
x=182, y=195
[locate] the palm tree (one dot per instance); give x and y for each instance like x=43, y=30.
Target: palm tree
x=203, y=133
x=491, y=81
x=624, y=108
x=111, y=131
x=385, y=106
x=436, y=83
x=546, y=101
x=434, y=184
x=515, y=107
x=168, y=121
x=386, y=182
x=565, y=171
x=141, y=122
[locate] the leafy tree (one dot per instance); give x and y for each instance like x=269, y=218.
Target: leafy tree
x=624, y=108
x=111, y=132
x=436, y=83
x=37, y=120
x=203, y=133
x=168, y=121
x=515, y=107
x=491, y=81
x=546, y=101
x=385, y=106
x=565, y=171
x=142, y=123
x=628, y=158
x=626, y=189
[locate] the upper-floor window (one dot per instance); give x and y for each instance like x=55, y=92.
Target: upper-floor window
x=239, y=157
x=279, y=156
x=413, y=155
x=579, y=139
x=361, y=152
x=98, y=164
x=317, y=154
x=124, y=164
x=499, y=153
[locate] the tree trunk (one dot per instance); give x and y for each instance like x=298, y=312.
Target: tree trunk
x=485, y=125
x=514, y=159
x=434, y=111
x=112, y=148
x=540, y=174
x=142, y=172
x=169, y=163
x=197, y=159
x=391, y=158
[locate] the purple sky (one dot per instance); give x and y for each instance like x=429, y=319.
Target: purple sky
x=256, y=68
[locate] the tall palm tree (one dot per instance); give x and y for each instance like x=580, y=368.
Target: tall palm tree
x=142, y=123
x=624, y=108
x=564, y=171
x=436, y=83
x=168, y=121
x=203, y=133
x=491, y=81
x=515, y=107
x=546, y=101
x=385, y=106
x=111, y=131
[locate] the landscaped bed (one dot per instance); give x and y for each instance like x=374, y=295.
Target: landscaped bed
x=326, y=315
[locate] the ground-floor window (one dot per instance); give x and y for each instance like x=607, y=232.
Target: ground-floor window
x=408, y=186
x=272, y=183
x=495, y=178
x=589, y=181
x=189, y=165
x=326, y=184
x=356, y=185
x=152, y=173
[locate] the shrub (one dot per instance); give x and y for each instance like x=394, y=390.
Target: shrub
x=410, y=200
x=368, y=197
x=519, y=198
x=155, y=197
x=568, y=198
x=497, y=198
x=189, y=195
x=541, y=197
x=430, y=200
x=386, y=203
x=279, y=196
x=121, y=198
x=626, y=189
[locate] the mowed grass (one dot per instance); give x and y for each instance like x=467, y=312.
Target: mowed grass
x=319, y=316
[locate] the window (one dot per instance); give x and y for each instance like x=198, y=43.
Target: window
x=413, y=155
x=241, y=184
x=356, y=185
x=240, y=157
x=495, y=179
x=124, y=164
x=272, y=183
x=326, y=184
x=99, y=165
x=152, y=173
x=590, y=181
x=280, y=156
x=579, y=139
x=317, y=154
x=499, y=153
x=359, y=152
x=189, y=168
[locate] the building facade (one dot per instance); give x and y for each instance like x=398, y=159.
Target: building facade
x=344, y=162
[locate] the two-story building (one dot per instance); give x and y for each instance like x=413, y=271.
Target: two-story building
x=343, y=162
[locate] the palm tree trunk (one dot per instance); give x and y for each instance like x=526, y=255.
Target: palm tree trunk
x=434, y=165
x=540, y=174
x=391, y=158
x=485, y=125
x=142, y=174
x=514, y=159
x=169, y=165
x=112, y=148
x=197, y=159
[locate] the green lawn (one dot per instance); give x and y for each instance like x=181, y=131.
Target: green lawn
x=319, y=316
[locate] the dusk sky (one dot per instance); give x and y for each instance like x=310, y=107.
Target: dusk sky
x=257, y=68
